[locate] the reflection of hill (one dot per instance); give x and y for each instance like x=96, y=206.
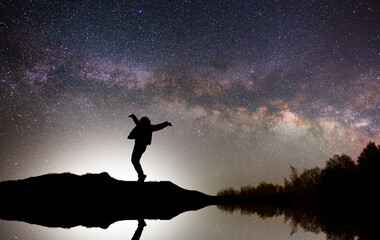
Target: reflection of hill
x=93, y=200
x=340, y=199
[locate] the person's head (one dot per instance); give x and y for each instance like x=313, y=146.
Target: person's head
x=145, y=121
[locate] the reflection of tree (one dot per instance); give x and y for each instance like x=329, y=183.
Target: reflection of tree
x=340, y=199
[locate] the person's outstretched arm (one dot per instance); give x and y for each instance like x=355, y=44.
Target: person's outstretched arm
x=160, y=126
x=134, y=118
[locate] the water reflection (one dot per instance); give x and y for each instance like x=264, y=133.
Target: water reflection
x=339, y=199
x=207, y=223
x=263, y=222
x=337, y=223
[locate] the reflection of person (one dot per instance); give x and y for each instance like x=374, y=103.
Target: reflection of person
x=139, y=230
x=142, y=134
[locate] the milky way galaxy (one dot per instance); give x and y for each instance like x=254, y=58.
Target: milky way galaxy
x=251, y=87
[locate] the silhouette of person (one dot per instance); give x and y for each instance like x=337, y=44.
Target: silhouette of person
x=139, y=230
x=142, y=134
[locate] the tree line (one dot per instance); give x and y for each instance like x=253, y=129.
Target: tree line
x=341, y=199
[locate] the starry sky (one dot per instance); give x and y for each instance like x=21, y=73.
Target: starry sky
x=251, y=87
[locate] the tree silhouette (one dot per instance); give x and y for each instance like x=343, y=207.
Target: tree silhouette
x=340, y=199
x=369, y=162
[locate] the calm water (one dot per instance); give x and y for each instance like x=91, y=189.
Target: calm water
x=207, y=223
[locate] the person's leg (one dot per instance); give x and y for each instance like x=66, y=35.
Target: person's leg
x=139, y=230
x=136, y=156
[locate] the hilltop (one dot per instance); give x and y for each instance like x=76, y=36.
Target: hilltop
x=93, y=200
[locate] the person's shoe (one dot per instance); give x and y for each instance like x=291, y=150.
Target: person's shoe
x=141, y=223
x=142, y=178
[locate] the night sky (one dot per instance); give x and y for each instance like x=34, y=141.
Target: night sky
x=251, y=87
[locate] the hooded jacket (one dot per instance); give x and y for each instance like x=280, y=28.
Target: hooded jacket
x=143, y=133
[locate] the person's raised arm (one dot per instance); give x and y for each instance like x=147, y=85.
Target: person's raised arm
x=134, y=118
x=160, y=126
